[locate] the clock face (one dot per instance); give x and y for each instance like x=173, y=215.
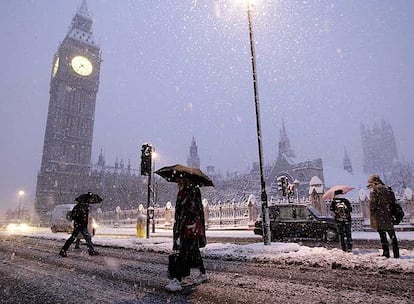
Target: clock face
x=55, y=67
x=82, y=65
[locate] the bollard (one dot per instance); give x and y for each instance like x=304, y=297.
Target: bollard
x=141, y=223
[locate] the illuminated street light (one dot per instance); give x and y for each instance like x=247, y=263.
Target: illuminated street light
x=265, y=209
x=21, y=194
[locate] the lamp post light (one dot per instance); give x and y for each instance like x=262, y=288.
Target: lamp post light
x=297, y=183
x=21, y=194
x=265, y=209
x=153, y=188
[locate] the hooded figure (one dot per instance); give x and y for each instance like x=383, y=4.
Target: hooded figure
x=380, y=214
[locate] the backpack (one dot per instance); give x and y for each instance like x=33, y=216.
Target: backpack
x=341, y=211
x=397, y=213
x=79, y=213
x=71, y=215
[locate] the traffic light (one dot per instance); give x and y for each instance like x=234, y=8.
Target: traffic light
x=291, y=189
x=146, y=159
x=282, y=183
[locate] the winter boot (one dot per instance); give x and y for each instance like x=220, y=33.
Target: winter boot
x=174, y=285
x=93, y=252
x=201, y=278
x=63, y=253
x=396, y=251
x=385, y=250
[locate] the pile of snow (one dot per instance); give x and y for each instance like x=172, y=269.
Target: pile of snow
x=276, y=252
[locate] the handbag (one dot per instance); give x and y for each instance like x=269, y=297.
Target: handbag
x=397, y=213
x=193, y=229
x=177, y=268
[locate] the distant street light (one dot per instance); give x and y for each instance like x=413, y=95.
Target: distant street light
x=21, y=194
x=265, y=209
x=297, y=183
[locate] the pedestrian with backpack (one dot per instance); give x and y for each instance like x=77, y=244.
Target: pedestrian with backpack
x=79, y=215
x=342, y=209
x=381, y=216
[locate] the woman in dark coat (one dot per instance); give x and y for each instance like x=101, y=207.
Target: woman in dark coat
x=187, y=209
x=380, y=215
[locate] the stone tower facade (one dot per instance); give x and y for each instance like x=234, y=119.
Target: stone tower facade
x=193, y=159
x=284, y=149
x=68, y=137
x=289, y=165
x=379, y=148
x=347, y=163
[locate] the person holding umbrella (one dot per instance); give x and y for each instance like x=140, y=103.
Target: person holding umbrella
x=79, y=215
x=342, y=209
x=189, y=225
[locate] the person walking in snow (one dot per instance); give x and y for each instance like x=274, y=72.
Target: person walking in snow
x=380, y=214
x=342, y=209
x=80, y=215
x=90, y=230
x=189, y=216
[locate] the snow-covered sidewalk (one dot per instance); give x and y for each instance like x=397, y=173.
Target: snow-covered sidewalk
x=276, y=252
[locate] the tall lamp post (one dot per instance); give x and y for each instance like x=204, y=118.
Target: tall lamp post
x=153, y=187
x=265, y=209
x=21, y=194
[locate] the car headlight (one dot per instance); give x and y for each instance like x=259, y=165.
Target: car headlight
x=24, y=227
x=13, y=227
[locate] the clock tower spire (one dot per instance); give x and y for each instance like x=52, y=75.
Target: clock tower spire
x=67, y=148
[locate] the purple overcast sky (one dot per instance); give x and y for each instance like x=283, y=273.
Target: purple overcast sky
x=181, y=68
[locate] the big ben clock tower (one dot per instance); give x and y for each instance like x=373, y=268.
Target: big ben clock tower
x=68, y=137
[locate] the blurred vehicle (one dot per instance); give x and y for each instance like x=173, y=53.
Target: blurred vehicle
x=298, y=221
x=17, y=227
x=60, y=220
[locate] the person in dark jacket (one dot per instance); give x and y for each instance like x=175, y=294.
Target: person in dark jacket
x=80, y=215
x=187, y=209
x=380, y=215
x=90, y=230
x=342, y=210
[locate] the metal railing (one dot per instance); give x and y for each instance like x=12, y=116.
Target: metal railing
x=241, y=215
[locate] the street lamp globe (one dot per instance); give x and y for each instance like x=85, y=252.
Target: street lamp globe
x=297, y=183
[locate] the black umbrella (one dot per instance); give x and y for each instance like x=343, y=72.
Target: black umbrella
x=171, y=173
x=89, y=198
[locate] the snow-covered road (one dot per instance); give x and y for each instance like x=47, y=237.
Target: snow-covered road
x=132, y=271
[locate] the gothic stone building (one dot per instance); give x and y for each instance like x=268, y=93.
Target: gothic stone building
x=67, y=144
x=287, y=164
x=240, y=186
x=66, y=169
x=379, y=148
